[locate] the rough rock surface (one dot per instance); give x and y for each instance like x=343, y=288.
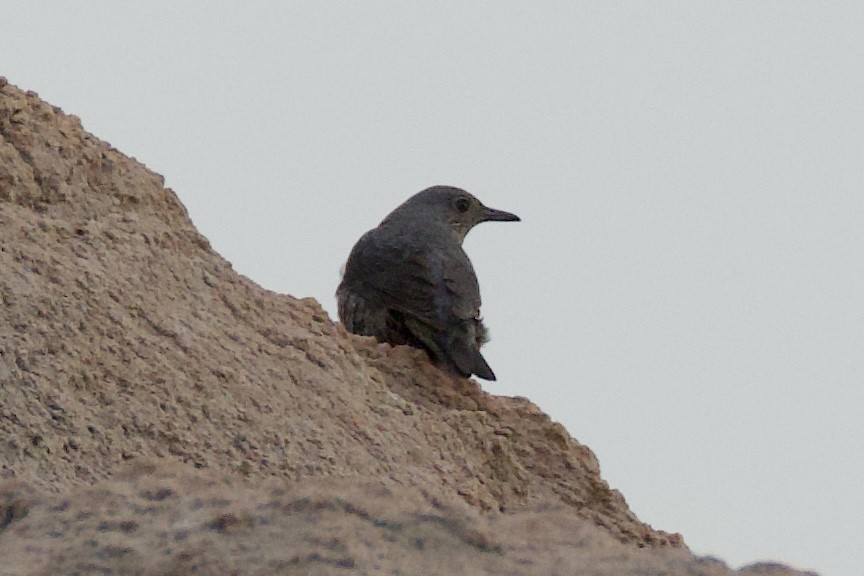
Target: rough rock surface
x=160, y=413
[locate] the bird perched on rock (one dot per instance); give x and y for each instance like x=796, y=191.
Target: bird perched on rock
x=408, y=281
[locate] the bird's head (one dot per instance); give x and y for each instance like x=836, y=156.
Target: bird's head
x=452, y=207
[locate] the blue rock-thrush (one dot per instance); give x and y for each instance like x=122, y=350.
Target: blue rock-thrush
x=409, y=281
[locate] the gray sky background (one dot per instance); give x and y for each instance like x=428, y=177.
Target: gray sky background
x=686, y=290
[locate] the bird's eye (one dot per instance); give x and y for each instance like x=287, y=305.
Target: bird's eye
x=462, y=204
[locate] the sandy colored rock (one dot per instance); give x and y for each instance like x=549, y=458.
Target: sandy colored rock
x=162, y=414
x=157, y=518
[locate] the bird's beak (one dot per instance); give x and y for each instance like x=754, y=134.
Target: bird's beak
x=493, y=215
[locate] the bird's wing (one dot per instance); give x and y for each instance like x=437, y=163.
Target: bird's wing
x=433, y=291
x=463, y=336
x=437, y=286
x=461, y=286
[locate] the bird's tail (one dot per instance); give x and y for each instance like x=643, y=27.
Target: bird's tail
x=464, y=352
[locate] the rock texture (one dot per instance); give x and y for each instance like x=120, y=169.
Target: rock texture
x=160, y=413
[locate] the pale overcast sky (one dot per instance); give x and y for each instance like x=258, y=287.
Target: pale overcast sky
x=685, y=292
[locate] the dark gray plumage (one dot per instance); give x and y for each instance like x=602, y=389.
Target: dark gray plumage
x=408, y=281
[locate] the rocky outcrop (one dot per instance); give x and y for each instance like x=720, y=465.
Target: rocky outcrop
x=163, y=413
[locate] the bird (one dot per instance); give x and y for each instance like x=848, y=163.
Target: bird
x=408, y=281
